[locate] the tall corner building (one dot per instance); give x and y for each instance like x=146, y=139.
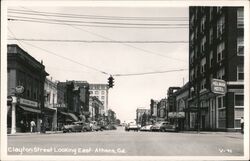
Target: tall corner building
x=100, y=91
x=216, y=51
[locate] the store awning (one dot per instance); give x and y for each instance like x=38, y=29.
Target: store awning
x=73, y=116
x=64, y=113
x=30, y=109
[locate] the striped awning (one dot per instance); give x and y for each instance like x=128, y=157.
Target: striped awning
x=30, y=109
x=73, y=116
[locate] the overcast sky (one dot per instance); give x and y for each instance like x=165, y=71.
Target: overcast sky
x=129, y=92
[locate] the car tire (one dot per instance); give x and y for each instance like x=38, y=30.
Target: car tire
x=70, y=130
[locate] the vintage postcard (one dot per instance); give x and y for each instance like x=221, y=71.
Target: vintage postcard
x=124, y=80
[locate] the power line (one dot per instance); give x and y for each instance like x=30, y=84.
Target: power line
x=71, y=60
x=129, y=45
x=95, y=41
x=106, y=26
x=98, y=22
x=31, y=12
x=146, y=73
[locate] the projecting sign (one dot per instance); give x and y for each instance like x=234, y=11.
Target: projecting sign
x=19, y=89
x=218, y=86
x=28, y=102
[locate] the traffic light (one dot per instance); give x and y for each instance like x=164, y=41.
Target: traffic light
x=111, y=82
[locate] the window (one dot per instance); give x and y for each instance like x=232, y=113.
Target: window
x=192, y=57
x=203, y=23
x=211, y=36
x=203, y=84
x=221, y=112
x=96, y=92
x=220, y=26
x=240, y=46
x=192, y=75
x=240, y=72
x=239, y=100
x=240, y=18
x=221, y=73
x=90, y=92
x=211, y=13
x=221, y=102
x=103, y=97
x=203, y=64
x=239, y=109
x=103, y=92
x=211, y=58
x=220, y=50
x=203, y=42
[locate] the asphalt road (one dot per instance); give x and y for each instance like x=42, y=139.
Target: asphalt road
x=121, y=143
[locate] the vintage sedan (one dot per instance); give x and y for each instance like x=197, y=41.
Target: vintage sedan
x=163, y=127
x=74, y=127
x=146, y=128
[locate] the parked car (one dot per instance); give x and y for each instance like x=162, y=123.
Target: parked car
x=86, y=127
x=132, y=126
x=164, y=126
x=74, y=127
x=96, y=127
x=146, y=128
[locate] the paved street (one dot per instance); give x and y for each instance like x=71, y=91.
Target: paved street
x=131, y=143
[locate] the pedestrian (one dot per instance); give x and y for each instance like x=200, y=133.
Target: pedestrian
x=22, y=125
x=32, y=126
x=242, y=124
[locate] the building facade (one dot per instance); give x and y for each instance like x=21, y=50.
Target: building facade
x=216, y=51
x=50, y=105
x=96, y=109
x=142, y=116
x=101, y=92
x=23, y=70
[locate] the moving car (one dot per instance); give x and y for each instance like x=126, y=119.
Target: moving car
x=132, y=126
x=163, y=127
x=146, y=128
x=74, y=127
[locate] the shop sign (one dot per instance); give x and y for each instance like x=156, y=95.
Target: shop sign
x=9, y=99
x=19, y=89
x=60, y=105
x=176, y=114
x=218, y=86
x=28, y=102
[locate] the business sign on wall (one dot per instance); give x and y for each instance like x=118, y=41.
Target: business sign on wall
x=176, y=114
x=28, y=102
x=218, y=86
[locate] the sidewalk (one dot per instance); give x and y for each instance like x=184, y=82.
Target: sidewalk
x=212, y=132
x=35, y=133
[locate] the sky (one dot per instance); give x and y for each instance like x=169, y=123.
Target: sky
x=129, y=92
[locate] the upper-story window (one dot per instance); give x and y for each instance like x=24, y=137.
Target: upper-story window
x=211, y=58
x=211, y=13
x=220, y=26
x=221, y=73
x=203, y=84
x=240, y=72
x=96, y=92
x=192, y=19
x=240, y=46
x=192, y=75
x=220, y=50
x=192, y=57
x=203, y=43
x=203, y=23
x=240, y=17
x=211, y=36
x=103, y=92
x=203, y=65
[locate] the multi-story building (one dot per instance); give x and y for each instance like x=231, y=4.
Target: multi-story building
x=216, y=51
x=101, y=92
x=24, y=71
x=50, y=102
x=142, y=116
x=182, y=96
x=163, y=109
x=153, y=109
x=171, y=100
x=84, y=94
x=96, y=109
x=69, y=102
